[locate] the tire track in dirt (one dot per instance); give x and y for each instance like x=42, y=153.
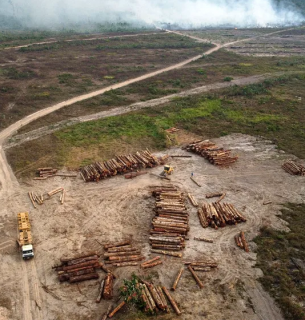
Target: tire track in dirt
x=27, y=314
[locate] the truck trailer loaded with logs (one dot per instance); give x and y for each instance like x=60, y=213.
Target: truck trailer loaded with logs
x=25, y=236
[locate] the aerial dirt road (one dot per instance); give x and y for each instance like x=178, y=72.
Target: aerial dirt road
x=84, y=39
x=32, y=294
x=42, y=131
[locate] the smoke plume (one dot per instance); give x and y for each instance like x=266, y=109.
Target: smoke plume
x=185, y=13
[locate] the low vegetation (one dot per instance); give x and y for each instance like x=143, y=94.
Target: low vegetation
x=281, y=256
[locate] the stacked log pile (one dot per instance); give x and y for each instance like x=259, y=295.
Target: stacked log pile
x=119, y=165
x=122, y=254
x=210, y=151
x=171, y=222
x=219, y=215
x=79, y=268
x=241, y=242
x=45, y=173
x=293, y=168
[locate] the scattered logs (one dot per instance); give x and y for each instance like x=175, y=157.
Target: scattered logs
x=171, y=222
x=79, y=268
x=293, y=168
x=219, y=215
x=39, y=199
x=119, y=165
x=211, y=152
x=241, y=242
x=122, y=254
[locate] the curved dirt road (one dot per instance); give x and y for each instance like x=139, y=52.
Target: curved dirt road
x=85, y=39
x=40, y=132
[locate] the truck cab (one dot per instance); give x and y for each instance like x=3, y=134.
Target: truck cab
x=27, y=251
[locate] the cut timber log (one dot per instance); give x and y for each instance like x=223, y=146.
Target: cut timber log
x=177, y=279
x=125, y=264
x=168, y=253
x=116, y=309
x=150, y=265
x=80, y=256
x=83, y=277
x=108, y=287
x=105, y=315
x=150, y=261
x=203, y=239
x=200, y=284
x=193, y=200
x=100, y=291
x=161, y=295
x=118, y=244
x=172, y=301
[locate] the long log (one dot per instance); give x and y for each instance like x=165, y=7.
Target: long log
x=121, y=249
x=153, y=264
x=168, y=253
x=108, y=287
x=150, y=298
x=105, y=315
x=150, y=261
x=84, y=255
x=126, y=259
x=172, y=301
x=177, y=279
x=82, y=260
x=244, y=242
x=124, y=253
x=196, y=277
x=100, y=291
x=161, y=295
x=155, y=295
x=203, y=239
x=115, y=310
x=125, y=264
x=83, y=277
x=90, y=263
x=118, y=244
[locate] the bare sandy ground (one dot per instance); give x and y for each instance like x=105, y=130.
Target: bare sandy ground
x=115, y=209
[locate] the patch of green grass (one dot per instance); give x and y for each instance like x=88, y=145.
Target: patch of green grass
x=281, y=256
x=13, y=73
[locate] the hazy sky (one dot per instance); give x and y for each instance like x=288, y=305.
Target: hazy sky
x=193, y=13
